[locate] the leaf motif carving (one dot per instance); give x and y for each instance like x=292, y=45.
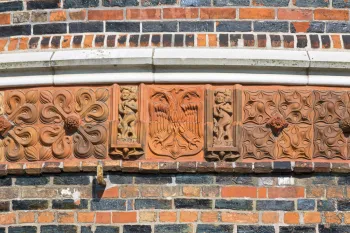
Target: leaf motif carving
x=46, y=97
x=102, y=94
x=31, y=154
x=54, y=136
x=21, y=108
x=32, y=97
x=45, y=153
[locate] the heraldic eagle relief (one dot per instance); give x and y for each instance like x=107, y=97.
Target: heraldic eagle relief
x=175, y=126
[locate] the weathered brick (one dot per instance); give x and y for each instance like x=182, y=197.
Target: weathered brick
x=11, y=6
x=80, y=3
x=120, y=3
x=4, y=206
x=231, y=2
x=71, y=179
x=239, y=217
x=26, y=217
x=306, y=204
x=58, y=229
x=260, y=229
x=77, y=15
x=312, y=217
x=209, y=216
x=70, y=204
x=341, y=4
x=234, y=180
x=275, y=205
x=39, y=192
x=326, y=205
x=193, y=203
x=176, y=228
x=40, y=16
x=108, y=204
x=234, y=204
x=153, y=179
x=22, y=229
x=157, y=2
x=335, y=27
x=152, y=204
x=46, y=217
x=137, y=228
x=194, y=179
x=297, y=229
x=30, y=204
x=65, y=217
x=204, y=228
x=195, y=3
x=269, y=217
x=286, y=192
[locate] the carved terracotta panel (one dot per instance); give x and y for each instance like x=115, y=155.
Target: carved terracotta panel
x=259, y=106
x=258, y=142
x=295, y=142
x=296, y=106
x=176, y=121
x=330, y=142
x=330, y=106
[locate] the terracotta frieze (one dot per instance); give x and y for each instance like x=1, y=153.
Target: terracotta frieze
x=185, y=123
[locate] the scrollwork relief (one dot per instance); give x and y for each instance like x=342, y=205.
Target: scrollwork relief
x=259, y=106
x=296, y=106
x=329, y=142
x=330, y=106
x=175, y=126
x=257, y=143
x=295, y=142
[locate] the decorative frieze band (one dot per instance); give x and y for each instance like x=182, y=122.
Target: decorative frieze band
x=164, y=123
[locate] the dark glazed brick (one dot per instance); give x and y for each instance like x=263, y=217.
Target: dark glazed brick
x=301, y=41
x=195, y=2
x=275, y=40
x=333, y=229
x=141, y=204
x=43, y=4
x=223, y=40
x=86, y=229
x=234, y=42
x=344, y=205
x=55, y=42
x=271, y=26
x=206, y=228
x=326, y=41
x=229, y=179
x=231, y=2
x=193, y=203
x=122, y=27
x=179, y=40
x=322, y=167
x=33, y=44
x=11, y=6
x=155, y=40
x=315, y=41
x=103, y=204
x=255, y=229
x=111, y=41
x=262, y=167
x=2, y=230
x=134, y=40
x=69, y=204
x=56, y=28
x=176, y=228
x=159, y=26
x=196, y=26
x=58, y=229
x=187, y=167
x=189, y=40
x=99, y=40
x=297, y=229
x=275, y=205
x=326, y=205
x=4, y=206
x=227, y=26
x=248, y=42
x=344, y=180
x=157, y=2
x=144, y=40
x=86, y=27
x=234, y=204
x=23, y=229
x=106, y=229
x=18, y=30
x=80, y=3
x=167, y=40
x=282, y=166
x=6, y=181
x=194, y=179
x=29, y=204
x=341, y=4
x=306, y=204
x=311, y=3
x=137, y=228
x=121, y=178
x=275, y=3
x=338, y=27
x=77, y=40
x=153, y=179
x=346, y=41
x=121, y=3
x=122, y=40
x=71, y=180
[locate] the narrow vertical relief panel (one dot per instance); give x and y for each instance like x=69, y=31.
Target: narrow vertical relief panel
x=4, y=126
x=221, y=124
x=126, y=128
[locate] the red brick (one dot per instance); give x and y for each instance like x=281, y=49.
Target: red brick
x=77, y=15
x=180, y=13
x=262, y=192
x=256, y=13
x=105, y=15
x=269, y=217
x=218, y=13
x=66, y=44
x=26, y=217
x=239, y=191
x=86, y=217
x=143, y=14
x=88, y=41
x=148, y=216
x=335, y=192
x=112, y=192
x=5, y=19
x=346, y=218
x=124, y=217
x=239, y=217
x=333, y=218
x=151, y=191
x=314, y=191
x=327, y=14
x=46, y=217
x=13, y=44
x=58, y=16
x=7, y=219
x=129, y=191
x=191, y=191
x=167, y=216
x=291, y=218
x=336, y=41
x=312, y=217
x=3, y=43
x=201, y=40
x=210, y=216
x=188, y=216
x=103, y=218
x=65, y=217
x=301, y=26
x=286, y=192
x=294, y=14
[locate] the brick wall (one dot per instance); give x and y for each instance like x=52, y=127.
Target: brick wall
x=184, y=23
x=174, y=203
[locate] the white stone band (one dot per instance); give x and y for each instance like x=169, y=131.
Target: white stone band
x=162, y=65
